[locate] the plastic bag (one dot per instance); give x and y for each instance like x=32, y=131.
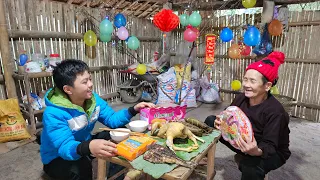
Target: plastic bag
x=12, y=123
x=209, y=91
x=168, y=83
x=264, y=47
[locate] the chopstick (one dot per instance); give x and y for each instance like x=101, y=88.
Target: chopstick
x=115, y=130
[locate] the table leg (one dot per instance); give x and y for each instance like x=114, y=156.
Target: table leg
x=102, y=169
x=210, y=165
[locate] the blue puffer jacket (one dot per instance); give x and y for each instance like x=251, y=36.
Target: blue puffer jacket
x=66, y=125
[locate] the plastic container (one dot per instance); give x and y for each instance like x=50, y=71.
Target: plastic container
x=37, y=57
x=54, y=59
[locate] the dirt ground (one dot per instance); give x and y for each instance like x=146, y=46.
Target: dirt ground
x=24, y=162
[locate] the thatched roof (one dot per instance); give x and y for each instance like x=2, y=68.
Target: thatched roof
x=147, y=8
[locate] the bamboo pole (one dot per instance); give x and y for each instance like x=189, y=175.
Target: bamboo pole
x=7, y=61
x=26, y=34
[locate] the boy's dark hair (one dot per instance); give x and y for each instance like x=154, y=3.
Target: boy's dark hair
x=65, y=73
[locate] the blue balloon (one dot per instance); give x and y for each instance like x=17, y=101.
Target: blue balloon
x=226, y=35
x=119, y=20
x=252, y=36
x=23, y=59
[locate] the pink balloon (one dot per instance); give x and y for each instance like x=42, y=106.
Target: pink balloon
x=122, y=33
x=189, y=35
x=195, y=30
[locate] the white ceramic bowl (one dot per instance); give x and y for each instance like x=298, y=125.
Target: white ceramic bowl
x=138, y=125
x=119, y=136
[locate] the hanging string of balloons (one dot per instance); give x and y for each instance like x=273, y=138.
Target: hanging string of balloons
x=106, y=30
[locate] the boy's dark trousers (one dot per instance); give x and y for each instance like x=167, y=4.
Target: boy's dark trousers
x=80, y=169
x=252, y=167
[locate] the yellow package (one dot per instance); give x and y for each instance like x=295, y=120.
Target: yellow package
x=179, y=68
x=12, y=123
x=134, y=146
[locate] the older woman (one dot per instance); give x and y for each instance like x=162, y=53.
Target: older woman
x=269, y=148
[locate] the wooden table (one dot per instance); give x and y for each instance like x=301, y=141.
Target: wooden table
x=180, y=172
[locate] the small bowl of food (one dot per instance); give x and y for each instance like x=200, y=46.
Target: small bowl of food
x=138, y=125
x=120, y=136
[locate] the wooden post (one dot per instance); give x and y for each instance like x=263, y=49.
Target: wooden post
x=210, y=165
x=166, y=41
x=7, y=61
x=102, y=169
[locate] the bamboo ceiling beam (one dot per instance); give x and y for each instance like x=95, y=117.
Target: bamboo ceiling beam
x=7, y=60
x=83, y=3
x=130, y=6
x=141, y=8
x=151, y=7
x=120, y=2
x=70, y=1
x=152, y=13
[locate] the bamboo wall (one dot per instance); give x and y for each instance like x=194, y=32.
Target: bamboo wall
x=298, y=76
x=36, y=16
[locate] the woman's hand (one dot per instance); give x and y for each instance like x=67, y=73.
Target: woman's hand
x=101, y=148
x=142, y=105
x=249, y=146
x=217, y=122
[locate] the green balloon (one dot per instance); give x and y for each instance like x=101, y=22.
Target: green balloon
x=106, y=27
x=133, y=43
x=184, y=19
x=105, y=37
x=195, y=19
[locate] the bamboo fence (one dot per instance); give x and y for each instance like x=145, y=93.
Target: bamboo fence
x=53, y=27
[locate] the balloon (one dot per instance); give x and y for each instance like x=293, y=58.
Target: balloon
x=236, y=85
x=106, y=27
x=234, y=51
x=274, y=90
x=141, y=69
x=226, y=34
x=275, y=28
x=252, y=36
x=122, y=33
x=105, y=37
x=90, y=38
x=184, y=19
x=195, y=19
x=195, y=30
x=119, y=20
x=189, y=35
x=249, y=3
x=23, y=59
x=133, y=43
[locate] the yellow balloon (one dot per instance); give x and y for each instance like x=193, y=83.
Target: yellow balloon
x=236, y=85
x=90, y=38
x=141, y=69
x=249, y=3
x=274, y=90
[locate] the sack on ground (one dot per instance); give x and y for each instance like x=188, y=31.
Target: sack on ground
x=12, y=123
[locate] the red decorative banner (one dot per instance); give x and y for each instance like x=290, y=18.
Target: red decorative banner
x=210, y=45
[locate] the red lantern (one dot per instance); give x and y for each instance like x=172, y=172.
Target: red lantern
x=166, y=20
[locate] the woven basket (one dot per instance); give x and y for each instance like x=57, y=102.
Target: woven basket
x=287, y=102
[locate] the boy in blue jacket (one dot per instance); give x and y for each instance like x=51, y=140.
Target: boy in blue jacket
x=70, y=116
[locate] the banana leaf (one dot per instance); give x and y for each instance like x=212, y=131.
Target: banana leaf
x=157, y=170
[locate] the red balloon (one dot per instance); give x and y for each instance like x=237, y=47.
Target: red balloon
x=166, y=20
x=189, y=35
x=195, y=30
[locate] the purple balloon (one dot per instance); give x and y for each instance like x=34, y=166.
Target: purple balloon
x=122, y=33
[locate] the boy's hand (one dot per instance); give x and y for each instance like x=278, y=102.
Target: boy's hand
x=101, y=148
x=142, y=105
